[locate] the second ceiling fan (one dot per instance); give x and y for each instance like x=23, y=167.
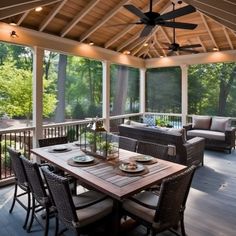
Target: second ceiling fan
x=152, y=19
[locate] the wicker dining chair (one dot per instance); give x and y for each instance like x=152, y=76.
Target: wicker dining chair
x=52, y=141
x=21, y=181
x=81, y=212
x=153, y=149
x=40, y=198
x=166, y=211
x=127, y=143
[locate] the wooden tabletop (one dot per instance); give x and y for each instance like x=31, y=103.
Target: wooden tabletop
x=105, y=176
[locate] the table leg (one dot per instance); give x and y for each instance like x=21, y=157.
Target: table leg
x=117, y=208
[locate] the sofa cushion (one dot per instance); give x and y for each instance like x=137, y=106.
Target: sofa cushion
x=201, y=122
x=219, y=124
x=209, y=134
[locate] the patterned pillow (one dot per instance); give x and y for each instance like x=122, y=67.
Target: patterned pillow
x=149, y=120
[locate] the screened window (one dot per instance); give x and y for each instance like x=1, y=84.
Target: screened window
x=163, y=90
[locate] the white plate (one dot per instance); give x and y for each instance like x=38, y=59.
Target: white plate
x=60, y=148
x=124, y=167
x=143, y=158
x=83, y=159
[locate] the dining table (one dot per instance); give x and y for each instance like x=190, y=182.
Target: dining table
x=112, y=177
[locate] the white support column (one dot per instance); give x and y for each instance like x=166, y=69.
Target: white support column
x=142, y=75
x=184, y=92
x=106, y=94
x=37, y=94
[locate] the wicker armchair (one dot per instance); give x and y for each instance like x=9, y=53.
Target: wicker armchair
x=21, y=181
x=39, y=193
x=166, y=211
x=78, y=213
x=129, y=144
x=153, y=149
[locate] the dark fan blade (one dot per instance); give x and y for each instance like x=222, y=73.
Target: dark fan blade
x=170, y=53
x=179, y=25
x=177, y=13
x=147, y=30
x=188, y=50
x=191, y=46
x=134, y=10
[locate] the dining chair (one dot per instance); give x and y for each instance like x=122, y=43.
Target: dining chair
x=81, y=212
x=166, y=210
x=21, y=181
x=40, y=197
x=153, y=149
x=52, y=141
x=56, y=141
x=126, y=143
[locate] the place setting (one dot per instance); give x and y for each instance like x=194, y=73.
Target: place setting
x=144, y=159
x=59, y=149
x=82, y=160
x=131, y=168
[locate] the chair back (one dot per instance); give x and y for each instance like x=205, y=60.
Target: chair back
x=52, y=141
x=153, y=149
x=62, y=198
x=127, y=143
x=35, y=181
x=18, y=167
x=173, y=196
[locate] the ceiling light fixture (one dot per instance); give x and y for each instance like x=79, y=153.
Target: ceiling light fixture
x=145, y=44
x=91, y=43
x=12, y=23
x=14, y=34
x=126, y=52
x=38, y=9
x=215, y=49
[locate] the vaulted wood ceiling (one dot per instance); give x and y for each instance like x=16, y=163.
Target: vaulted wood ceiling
x=96, y=21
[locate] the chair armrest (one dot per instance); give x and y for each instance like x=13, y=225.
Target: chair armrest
x=90, y=203
x=188, y=127
x=143, y=203
x=230, y=136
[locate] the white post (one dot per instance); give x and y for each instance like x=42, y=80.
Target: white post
x=106, y=94
x=37, y=94
x=184, y=92
x=142, y=72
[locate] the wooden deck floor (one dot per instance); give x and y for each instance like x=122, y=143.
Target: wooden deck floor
x=211, y=206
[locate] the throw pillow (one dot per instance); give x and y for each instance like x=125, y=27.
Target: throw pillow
x=149, y=120
x=201, y=122
x=126, y=122
x=220, y=124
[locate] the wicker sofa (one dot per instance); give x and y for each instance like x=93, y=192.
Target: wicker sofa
x=217, y=131
x=187, y=152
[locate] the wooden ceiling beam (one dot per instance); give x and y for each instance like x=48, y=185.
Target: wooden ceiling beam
x=203, y=46
x=103, y=20
x=23, y=8
x=128, y=28
x=78, y=17
x=22, y=18
x=159, y=45
x=5, y=4
x=51, y=15
x=228, y=38
x=208, y=30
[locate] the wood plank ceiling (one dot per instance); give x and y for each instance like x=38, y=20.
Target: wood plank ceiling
x=107, y=24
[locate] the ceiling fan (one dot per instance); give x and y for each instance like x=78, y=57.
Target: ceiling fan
x=175, y=47
x=151, y=19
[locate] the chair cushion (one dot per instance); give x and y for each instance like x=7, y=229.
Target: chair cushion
x=94, y=212
x=220, y=124
x=139, y=210
x=201, y=122
x=215, y=135
x=137, y=124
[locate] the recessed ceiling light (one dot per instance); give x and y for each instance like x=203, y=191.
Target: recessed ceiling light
x=38, y=9
x=215, y=49
x=13, y=23
x=145, y=44
x=91, y=43
x=161, y=56
x=126, y=52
